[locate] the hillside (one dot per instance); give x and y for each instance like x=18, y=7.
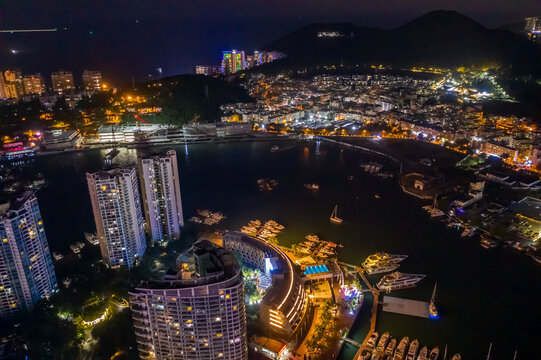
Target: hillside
x=439, y=38
x=191, y=98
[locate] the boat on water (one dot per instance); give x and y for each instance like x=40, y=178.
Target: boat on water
x=456, y=357
x=365, y=355
x=432, y=310
x=398, y=280
x=334, y=216
x=91, y=238
x=382, y=268
x=412, y=352
x=275, y=148
x=469, y=232
x=312, y=186
x=383, y=257
x=57, y=256
x=401, y=349
x=382, y=343
x=488, y=243
x=372, y=340
x=389, y=350
x=434, y=353
x=423, y=353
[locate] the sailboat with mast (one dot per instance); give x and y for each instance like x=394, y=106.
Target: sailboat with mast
x=432, y=310
x=334, y=216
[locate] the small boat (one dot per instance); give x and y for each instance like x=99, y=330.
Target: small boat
x=377, y=196
x=432, y=307
x=365, y=355
x=57, y=256
x=423, y=353
x=389, y=350
x=91, y=238
x=275, y=148
x=334, y=218
x=382, y=343
x=401, y=349
x=312, y=186
x=372, y=340
x=434, y=354
x=456, y=357
x=412, y=352
x=488, y=243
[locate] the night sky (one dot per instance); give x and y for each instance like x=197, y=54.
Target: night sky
x=132, y=38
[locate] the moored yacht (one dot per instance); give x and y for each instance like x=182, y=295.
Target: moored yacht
x=389, y=350
x=398, y=280
x=382, y=343
x=401, y=349
x=312, y=186
x=372, y=340
x=334, y=216
x=412, y=352
x=456, y=357
x=383, y=257
x=423, y=353
x=382, y=268
x=434, y=353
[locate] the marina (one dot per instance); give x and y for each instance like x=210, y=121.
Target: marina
x=370, y=225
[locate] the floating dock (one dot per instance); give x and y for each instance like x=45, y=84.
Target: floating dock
x=406, y=307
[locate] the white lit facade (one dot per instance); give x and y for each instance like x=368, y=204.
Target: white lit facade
x=26, y=268
x=118, y=215
x=198, y=314
x=160, y=186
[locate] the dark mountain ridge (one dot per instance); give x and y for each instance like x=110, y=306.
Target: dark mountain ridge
x=439, y=38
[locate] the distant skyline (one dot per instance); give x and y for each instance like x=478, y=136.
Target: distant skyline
x=133, y=38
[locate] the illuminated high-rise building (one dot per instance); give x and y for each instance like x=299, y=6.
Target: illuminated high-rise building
x=62, y=82
x=233, y=61
x=118, y=215
x=33, y=84
x=161, y=195
x=92, y=80
x=533, y=28
x=13, y=84
x=26, y=268
x=197, y=314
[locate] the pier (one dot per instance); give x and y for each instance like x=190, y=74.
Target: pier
x=406, y=306
x=358, y=147
x=373, y=318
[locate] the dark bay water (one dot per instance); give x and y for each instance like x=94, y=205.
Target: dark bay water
x=483, y=295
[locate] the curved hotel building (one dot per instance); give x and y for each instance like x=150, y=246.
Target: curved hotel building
x=285, y=306
x=197, y=313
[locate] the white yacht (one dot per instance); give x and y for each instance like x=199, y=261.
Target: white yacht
x=334, y=216
x=382, y=268
x=401, y=349
x=423, y=353
x=372, y=340
x=398, y=280
x=57, y=256
x=389, y=350
x=412, y=352
x=313, y=186
x=382, y=343
x=384, y=257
